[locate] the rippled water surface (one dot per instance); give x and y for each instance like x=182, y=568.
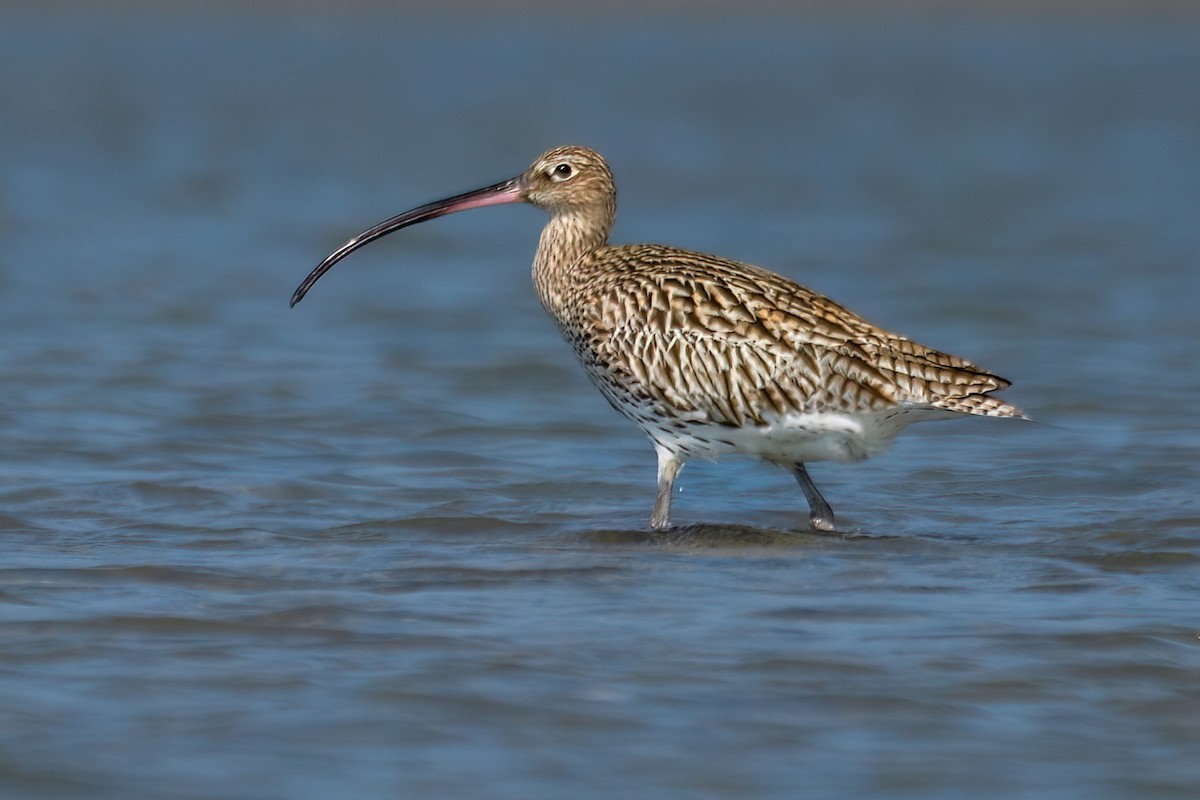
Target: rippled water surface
x=391, y=543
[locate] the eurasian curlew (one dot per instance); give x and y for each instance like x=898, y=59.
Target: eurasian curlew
x=710, y=356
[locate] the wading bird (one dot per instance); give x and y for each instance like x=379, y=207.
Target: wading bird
x=710, y=356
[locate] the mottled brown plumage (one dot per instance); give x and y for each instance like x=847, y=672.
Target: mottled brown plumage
x=710, y=356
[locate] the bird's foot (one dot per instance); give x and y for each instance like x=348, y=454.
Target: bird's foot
x=821, y=523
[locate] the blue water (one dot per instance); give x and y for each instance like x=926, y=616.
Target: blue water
x=392, y=543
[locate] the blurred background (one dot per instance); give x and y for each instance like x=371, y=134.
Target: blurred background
x=390, y=543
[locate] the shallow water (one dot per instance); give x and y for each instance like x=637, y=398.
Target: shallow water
x=391, y=543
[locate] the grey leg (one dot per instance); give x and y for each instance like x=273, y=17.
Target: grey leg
x=820, y=514
x=668, y=468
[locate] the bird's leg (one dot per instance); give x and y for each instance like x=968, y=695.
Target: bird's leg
x=820, y=515
x=668, y=468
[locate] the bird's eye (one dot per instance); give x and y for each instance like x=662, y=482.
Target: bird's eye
x=562, y=172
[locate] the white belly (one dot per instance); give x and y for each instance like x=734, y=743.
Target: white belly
x=795, y=438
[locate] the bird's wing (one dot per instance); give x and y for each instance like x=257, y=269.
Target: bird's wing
x=736, y=344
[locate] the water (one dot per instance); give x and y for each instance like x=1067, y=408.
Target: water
x=391, y=543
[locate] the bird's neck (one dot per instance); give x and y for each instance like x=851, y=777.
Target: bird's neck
x=568, y=238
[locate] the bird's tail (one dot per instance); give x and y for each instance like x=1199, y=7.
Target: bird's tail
x=982, y=405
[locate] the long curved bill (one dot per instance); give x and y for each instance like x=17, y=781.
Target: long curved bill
x=508, y=191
